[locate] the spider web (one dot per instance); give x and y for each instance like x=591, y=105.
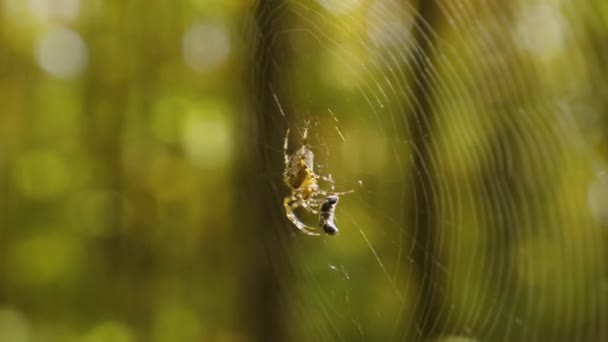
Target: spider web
x=480, y=207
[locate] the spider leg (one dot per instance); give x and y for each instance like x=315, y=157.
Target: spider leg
x=324, y=193
x=306, y=205
x=341, y=193
x=290, y=203
x=304, y=139
x=329, y=179
x=285, y=146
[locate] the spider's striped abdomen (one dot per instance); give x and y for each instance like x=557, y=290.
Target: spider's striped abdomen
x=299, y=174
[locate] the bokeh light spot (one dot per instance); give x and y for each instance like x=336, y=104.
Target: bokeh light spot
x=541, y=31
x=175, y=323
x=62, y=53
x=597, y=197
x=205, y=46
x=14, y=8
x=14, y=326
x=59, y=9
x=42, y=174
x=110, y=331
x=388, y=27
x=40, y=260
x=207, y=140
x=341, y=7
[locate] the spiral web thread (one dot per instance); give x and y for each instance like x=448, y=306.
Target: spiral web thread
x=518, y=249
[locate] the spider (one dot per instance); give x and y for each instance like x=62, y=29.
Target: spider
x=303, y=182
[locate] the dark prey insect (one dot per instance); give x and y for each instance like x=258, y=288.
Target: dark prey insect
x=327, y=215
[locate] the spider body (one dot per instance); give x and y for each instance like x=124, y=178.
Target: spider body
x=299, y=172
x=303, y=182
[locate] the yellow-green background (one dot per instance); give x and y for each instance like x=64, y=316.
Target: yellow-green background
x=140, y=172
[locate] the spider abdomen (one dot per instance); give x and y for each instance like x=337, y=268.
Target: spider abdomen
x=300, y=169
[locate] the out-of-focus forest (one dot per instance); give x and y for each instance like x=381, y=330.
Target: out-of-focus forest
x=141, y=161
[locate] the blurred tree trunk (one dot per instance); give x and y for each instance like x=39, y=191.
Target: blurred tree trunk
x=421, y=206
x=109, y=90
x=102, y=134
x=266, y=243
